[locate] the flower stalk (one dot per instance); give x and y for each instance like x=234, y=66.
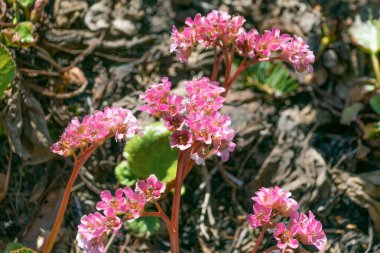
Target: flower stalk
x=79, y=162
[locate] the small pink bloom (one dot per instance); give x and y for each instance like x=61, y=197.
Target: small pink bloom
x=95, y=129
x=311, y=231
x=246, y=42
x=297, y=52
x=151, y=188
x=173, y=123
x=181, y=139
x=91, y=231
x=285, y=237
x=135, y=203
x=117, y=203
x=112, y=222
x=200, y=155
x=261, y=215
x=223, y=145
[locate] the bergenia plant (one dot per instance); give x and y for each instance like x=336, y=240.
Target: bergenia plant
x=81, y=139
x=127, y=204
x=199, y=130
x=274, y=210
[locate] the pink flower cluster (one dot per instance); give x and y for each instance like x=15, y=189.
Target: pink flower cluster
x=95, y=228
x=272, y=204
x=95, y=129
x=194, y=120
x=216, y=27
x=219, y=29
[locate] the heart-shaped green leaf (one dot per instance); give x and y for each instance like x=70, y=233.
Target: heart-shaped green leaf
x=7, y=69
x=374, y=102
x=15, y=247
x=144, y=227
x=149, y=154
x=124, y=175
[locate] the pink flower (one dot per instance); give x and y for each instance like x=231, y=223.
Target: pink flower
x=91, y=232
x=193, y=119
x=155, y=97
x=246, y=42
x=223, y=145
x=173, y=105
x=200, y=155
x=181, y=139
x=261, y=215
x=311, y=232
x=297, y=53
x=112, y=222
x=216, y=26
x=277, y=199
x=135, y=203
x=175, y=122
x=117, y=204
x=95, y=129
x=285, y=237
x=151, y=188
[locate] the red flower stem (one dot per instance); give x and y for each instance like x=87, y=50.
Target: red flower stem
x=260, y=239
x=177, y=200
x=174, y=241
x=66, y=196
x=215, y=67
x=228, y=82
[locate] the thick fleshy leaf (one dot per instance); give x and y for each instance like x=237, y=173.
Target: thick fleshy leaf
x=7, y=69
x=15, y=247
x=149, y=154
x=124, y=175
x=374, y=102
x=144, y=227
x=350, y=113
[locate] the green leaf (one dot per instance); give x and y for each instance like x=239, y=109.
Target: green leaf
x=144, y=227
x=350, y=113
x=371, y=131
x=149, y=154
x=7, y=69
x=272, y=78
x=25, y=31
x=124, y=175
x=374, y=102
x=20, y=36
x=26, y=3
x=15, y=247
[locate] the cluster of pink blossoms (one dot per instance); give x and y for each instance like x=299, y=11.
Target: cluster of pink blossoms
x=271, y=204
x=194, y=120
x=219, y=29
x=94, y=229
x=95, y=129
